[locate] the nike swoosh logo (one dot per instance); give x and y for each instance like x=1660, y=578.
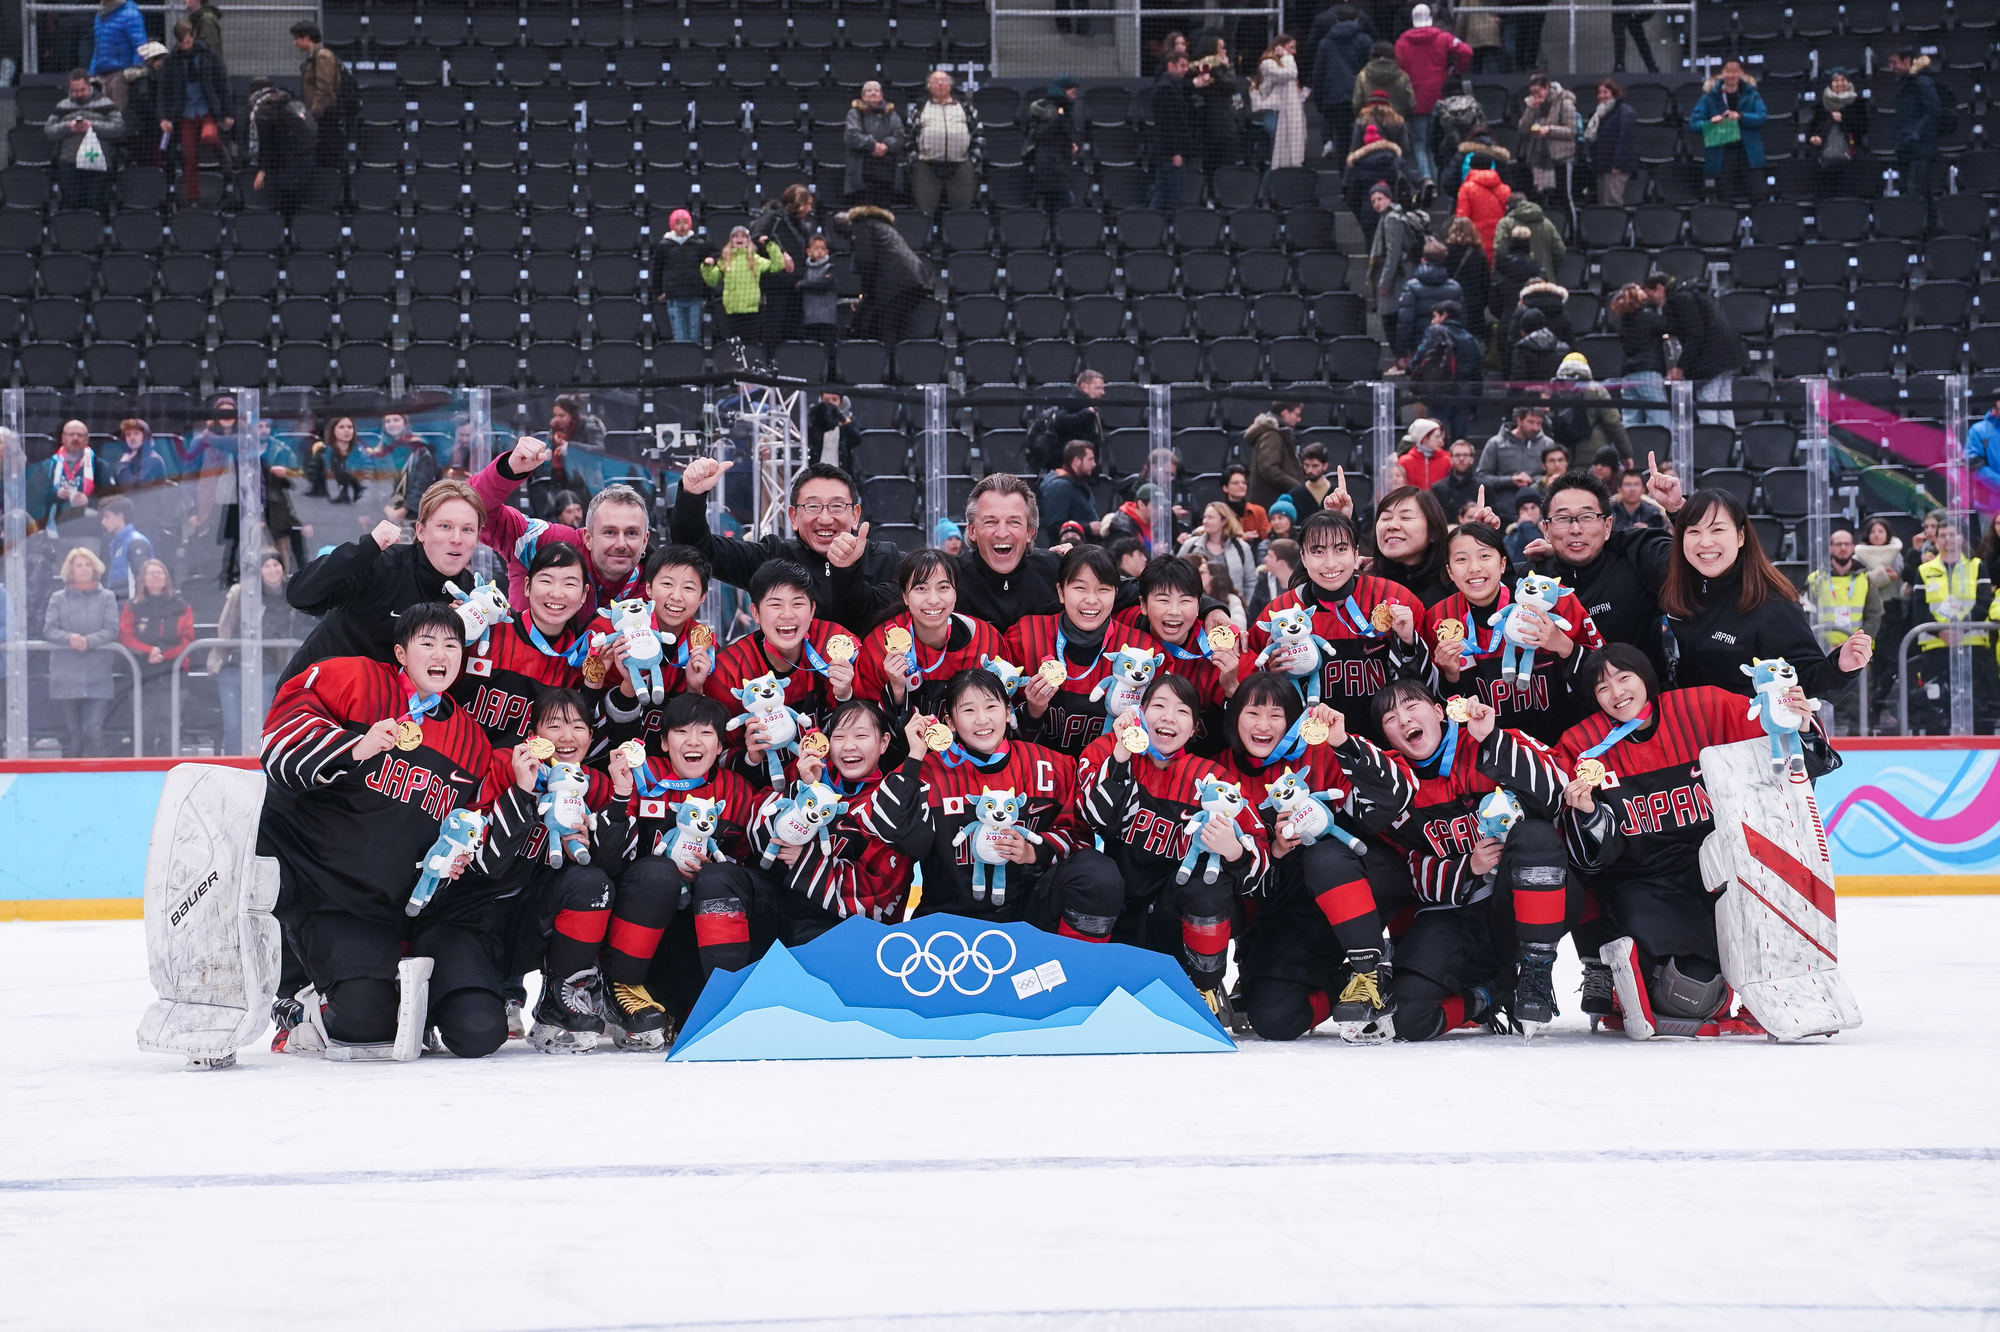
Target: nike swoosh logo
x=461, y=778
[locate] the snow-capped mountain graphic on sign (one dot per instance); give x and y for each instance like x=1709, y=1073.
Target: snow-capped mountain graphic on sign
x=945, y=985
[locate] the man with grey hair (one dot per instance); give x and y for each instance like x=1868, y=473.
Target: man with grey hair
x=1001, y=576
x=945, y=145
x=613, y=537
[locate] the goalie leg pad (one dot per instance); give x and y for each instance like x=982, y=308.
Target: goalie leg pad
x=1628, y=983
x=413, y=977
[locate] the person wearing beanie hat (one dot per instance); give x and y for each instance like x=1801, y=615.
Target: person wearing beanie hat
x=949, y=537
x=1051, y=144
x=1608, y=465
x=1425, y=459
x=1431, y=57
x=1581, y=416
x=677, y=283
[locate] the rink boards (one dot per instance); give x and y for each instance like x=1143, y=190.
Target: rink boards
x=1902, y=817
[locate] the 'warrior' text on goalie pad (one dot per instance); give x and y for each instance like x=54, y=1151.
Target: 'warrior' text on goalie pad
x=211, y=943
x=1774, y=921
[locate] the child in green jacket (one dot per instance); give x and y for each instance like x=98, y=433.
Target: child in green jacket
x=739, y=270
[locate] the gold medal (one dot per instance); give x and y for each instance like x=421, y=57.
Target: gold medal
x=634, y=752
x=839, y=648
x=1450, y=631
x=409, y=735
x=814, y=744
x=594, y=670
x=1459, y=710
x=939, y=737
x=896, y=641
x=1315, y=731
x=1135, y=740
x=1383, y=617
x=1053, y=673
x=540, y=748
x=1590, y=770
x=1222, y=638
x=700, y=636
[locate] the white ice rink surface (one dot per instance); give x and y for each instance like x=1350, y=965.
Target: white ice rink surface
x=1585, y=1182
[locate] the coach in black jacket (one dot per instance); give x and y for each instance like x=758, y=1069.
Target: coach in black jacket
x=1001, y=576
x=359, y=588
x=1616, y=575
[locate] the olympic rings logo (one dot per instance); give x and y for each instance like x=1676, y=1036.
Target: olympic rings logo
x=921, y=956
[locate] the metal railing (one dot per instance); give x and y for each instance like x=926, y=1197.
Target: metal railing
x=181, y=668
x=131, y=662
x=1961, y=682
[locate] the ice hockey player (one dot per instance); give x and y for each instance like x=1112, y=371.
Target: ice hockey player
x=789, y=643
x=1063, y=655
x=676, y=581
x=375, y=757
x=1315, y=931
x=1061, y=883
x=1490, y=912
x=741, y=909
x=1141, y=802
x=1170, y=610
x=537, y=649
x=907, y=660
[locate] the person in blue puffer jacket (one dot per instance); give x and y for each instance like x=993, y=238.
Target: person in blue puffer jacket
x=1982, y=446
x=120, y=30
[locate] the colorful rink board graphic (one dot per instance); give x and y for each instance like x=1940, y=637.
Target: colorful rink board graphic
x=944, y=985
x=1902, y=817
x=1907, y=819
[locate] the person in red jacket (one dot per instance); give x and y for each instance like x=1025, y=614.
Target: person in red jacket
x=1482, y=197
x=158, y=625
x=1429, y=55
x=1427, y=460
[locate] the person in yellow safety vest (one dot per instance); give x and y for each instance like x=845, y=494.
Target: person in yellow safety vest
x=1950, y=586
x=1844, y=602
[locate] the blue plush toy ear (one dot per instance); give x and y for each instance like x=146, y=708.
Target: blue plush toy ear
x=1158, y=659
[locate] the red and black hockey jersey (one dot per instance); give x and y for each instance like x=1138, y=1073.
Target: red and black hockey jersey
x=968, y=641
x=1072, y=720
x=1320, y=765
x=877, y=843
x=498, y=683
x=1210, y=738
x=805, y=685
x=1141, y=810
x=625, y=717
x=1047, y=778
x=1364, y=658
x=514, y=854
x=1440, y=826
x=351, y=839
x=1544, y=707
x=1652, y=811
x=655, y=804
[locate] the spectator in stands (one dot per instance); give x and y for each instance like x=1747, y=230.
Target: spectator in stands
x=86, y=109
x=1171, y=110
x=1466, y=264
x=1608, y=464
x=1642, y=333
x=1548, y=134
x=1066, y=491
x=830, y=432
x=894, y=281
x=1382, y=74
x=948, y=537
x=207, y=22
x=1274, y=576
x=1730, y=119
x=65, y=489
x=1633, y=507
x=280, y=623
x=1927, y=538
x=81, y=616
x=569, y=509
x=1338, y=51
x=120, y=30
x=1712, y=352
x=873, y=136
x=1506, y=464
x=1394, y=252
x=144, y=105
x=1449, y=360
x=1919, y=124
x=1278, y=90
x=1613, y=136
x=1427, y=288
x=1133, y=518
x=420, y=471
x=1881, y=553
x=1526, y=527
x=193, y=97
x=1272, y=441
x=1051, y=144
x=819, y=294
x=126, y=548
x=1129, y=554
x=157, y=624
x=1218, y=91
x=788, y=221
x=1845, y=598
x=1838, y=137
x=946, y=146
x=139, y=463
x=1281, y=522
x=1221, y=538
x=677, y=276
x=1425, y=459
x=1543, y=242
x=1310, y=495
x=335, y=451
x=1429, y=56
x=282, y=138
x=1075, y=417
x=569, y=424
x=1582, y=417
x=1236, y=494
x=1217, y=584
x=1483, y=197
x=739, y=272
x=1982, y=445
x=1535, y=352
x=319, y=81
x=1369, y=183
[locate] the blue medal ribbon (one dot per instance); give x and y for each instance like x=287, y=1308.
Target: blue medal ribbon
x=421, y=707
x=1200, y=641
x=649, y=785
x=1362, y=625
x=1152, y=750
x=814, y=661
x=958, y=754
x=1446, y=751
x=1291, y=745
x=1062, y=655
x=917, y=671
x=1619, y=732
x=573, y=654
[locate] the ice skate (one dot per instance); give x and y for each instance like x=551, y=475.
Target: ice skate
x=517, y=1020
x=566, y=1016
x=1596, y=990
x=286, y=1015
x=1363, y=1016
x=1534, y=989
x=634, y=1019
x=1223, y=1004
